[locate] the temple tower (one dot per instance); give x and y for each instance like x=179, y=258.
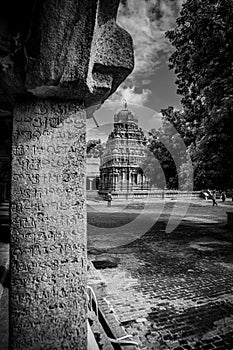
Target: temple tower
x=120, y=166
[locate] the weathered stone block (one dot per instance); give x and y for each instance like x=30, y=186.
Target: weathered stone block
x=70, y=49
x=72, y=55
x=48, y=231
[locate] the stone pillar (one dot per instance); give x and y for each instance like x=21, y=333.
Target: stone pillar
x=90, y=183
x=123, y=175
x=142, y=181
x=115, y=181
x=48, y=231
x=130, y=184
x=56, y=52
x=109, y=180
x=133, y=180
x=105, y=181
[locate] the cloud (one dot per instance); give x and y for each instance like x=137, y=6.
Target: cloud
x=154, y=121
x=146, y=81
x=147, y=21
x=131, y=95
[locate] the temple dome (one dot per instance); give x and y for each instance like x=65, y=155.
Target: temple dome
x=125, y=115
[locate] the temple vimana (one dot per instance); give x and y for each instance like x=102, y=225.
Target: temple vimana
x=121, y=162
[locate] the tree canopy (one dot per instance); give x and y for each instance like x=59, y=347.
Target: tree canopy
x=94, y=148
x=202, y=61
x=167, y=163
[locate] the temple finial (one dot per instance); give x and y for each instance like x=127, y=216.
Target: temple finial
x=125, y=105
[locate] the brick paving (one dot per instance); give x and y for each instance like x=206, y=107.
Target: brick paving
x=4, y=319
x=4, y=295
x=4, y=275
x=175, y=291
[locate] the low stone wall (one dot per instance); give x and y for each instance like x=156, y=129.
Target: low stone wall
x=160, y=194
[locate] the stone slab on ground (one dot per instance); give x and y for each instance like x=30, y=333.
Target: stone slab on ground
x=98, y=283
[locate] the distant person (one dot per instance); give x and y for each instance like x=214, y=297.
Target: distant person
x=163, y=194
x=214, y=198
x=109, y=199
x=223, y=196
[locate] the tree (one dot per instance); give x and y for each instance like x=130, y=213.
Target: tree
x=94, y=148
x=167, y=153
x=159, y=166
x=202, y=60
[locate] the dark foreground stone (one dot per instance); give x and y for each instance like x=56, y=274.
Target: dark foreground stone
x=105, y=261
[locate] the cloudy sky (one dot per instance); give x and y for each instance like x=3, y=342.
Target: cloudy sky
x=151, y=85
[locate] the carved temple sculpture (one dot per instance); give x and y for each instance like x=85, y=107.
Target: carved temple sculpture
x=58, y=60
x=121, y=162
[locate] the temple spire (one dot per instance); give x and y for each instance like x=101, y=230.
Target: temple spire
x=125, y=105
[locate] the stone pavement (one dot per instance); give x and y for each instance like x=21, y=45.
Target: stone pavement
x=4, y=295
x=170, y=291
x=175, y=291
x=4, y=276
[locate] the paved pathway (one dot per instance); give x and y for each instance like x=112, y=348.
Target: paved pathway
x=4, y=295
x=175, y=291
x=4, y=277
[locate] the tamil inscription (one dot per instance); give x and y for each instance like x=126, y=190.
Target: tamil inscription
x=48, y=242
